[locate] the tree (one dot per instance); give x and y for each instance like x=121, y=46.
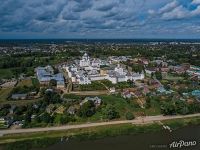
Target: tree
x=65, y=119
x=158, y=75
x=181, y=107
x=168, y=108
x=152, y=75
x=46, y=118
x=110, y=112
x=57, y=119
x=52, y=83
x=52, y=97
x=87, y=109
x=148, y=102
x=138, y=68
x=167, y=86
x=20, y=110
x=129, y=116
x=4, y=112
x=27, y=117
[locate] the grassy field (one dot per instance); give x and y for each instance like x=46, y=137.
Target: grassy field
x=122, y=106
x=83, y=134
x=20, y=102
x=173, y=78
x=26, y=82
x=4, y=93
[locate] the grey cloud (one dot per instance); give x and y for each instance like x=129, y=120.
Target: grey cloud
x=89, y=16
x=107, y=7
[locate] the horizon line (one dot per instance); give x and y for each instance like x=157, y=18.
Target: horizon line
x=99, y=38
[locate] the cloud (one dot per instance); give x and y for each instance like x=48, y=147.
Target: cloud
x=107, y=5
x=175, y=10
x=177, y=13
x=196, y=2
x=196, y=12
x=168, y=7
x=97, y=17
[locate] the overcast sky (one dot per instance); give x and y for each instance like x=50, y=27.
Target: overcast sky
x=99, y=18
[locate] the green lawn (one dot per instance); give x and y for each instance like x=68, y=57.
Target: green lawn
x=21, y=102
x=26, y=82
x=173, y=78
x=4, y=93
x=95, y=85
x=122, y=106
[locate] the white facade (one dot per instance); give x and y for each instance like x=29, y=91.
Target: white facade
x=97, y=78
x=119, y=70
x=113, y=79
x=137, y=76
x=121, y=79
x=87, y=70
x=85, y=61
x=74, y=79
x=96, y=63
x=84, y=80
x=149, y=71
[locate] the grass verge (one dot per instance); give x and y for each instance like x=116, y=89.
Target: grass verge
x=44, y=139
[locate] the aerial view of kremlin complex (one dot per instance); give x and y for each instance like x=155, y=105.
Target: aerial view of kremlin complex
x=87, y=88
x=87, y=70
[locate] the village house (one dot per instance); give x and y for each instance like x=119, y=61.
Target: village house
x=50, y=108
x=112, y=90
x=150, y=70
x=196, y=93
x=194, y=71
x=126, y=94
x=72, y=110
x=97, y=101
x=19, y=96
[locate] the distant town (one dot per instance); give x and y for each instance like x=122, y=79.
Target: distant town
x=56, y=84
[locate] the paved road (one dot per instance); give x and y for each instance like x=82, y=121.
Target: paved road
x=137, y=121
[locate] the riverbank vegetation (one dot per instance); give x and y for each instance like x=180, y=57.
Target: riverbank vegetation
x=44, y=139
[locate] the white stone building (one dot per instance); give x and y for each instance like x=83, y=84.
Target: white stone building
x=85, y=61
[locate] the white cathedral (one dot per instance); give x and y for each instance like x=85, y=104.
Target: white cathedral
x=85, y=61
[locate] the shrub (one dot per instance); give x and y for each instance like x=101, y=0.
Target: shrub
x=129, y=116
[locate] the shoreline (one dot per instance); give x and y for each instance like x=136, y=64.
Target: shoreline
x=137, y=121
x=45, y=139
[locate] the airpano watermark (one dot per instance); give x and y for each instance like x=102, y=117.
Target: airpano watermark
x=175, y=145
x=181, y=144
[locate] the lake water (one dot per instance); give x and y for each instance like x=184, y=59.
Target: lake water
x=153, y=141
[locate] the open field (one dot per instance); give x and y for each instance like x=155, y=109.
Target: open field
x=21, y=102
x=86, y=93
x=4, y=93
x=121, y=105
x=173, y=78
x=26, y=82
